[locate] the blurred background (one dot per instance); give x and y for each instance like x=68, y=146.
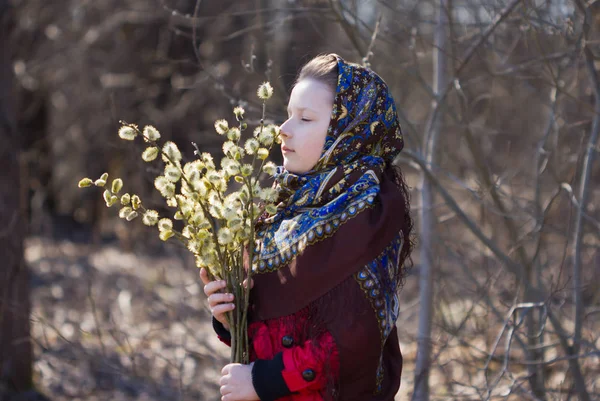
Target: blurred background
x=499, y=102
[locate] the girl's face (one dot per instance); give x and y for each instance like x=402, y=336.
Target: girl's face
x=303, y=133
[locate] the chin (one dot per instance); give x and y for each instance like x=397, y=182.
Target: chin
x=287, y=165
x=291, y=168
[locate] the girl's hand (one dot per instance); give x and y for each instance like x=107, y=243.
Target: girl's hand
x=219, y=303
x=236, y=383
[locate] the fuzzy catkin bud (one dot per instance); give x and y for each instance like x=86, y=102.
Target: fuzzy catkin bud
x=268, y=194
x=237, y=152
x=224, y=236
x=274, y=129
x=172, y=173
x=85, y=182
x=187, y=232
x=136, y=202
x=203, y=234
x=221, y=126
x=265, y=91
x=128, y=133
x=228, y=147
x=234, y=134
x=125, y=199
x=131, y=216
x=213, y=177
x=117, y=185
x=107, y=195
x=165, y=224
x=208, y=161
x=150, y=217
x=239, y=113
x=165, y=235
x=246, y=170
x=125, y=211
x=266, y=137
x=100, y=182
x=230, y=166
x=172, y=152
x=164, y=186
x=185, y=205
x=215, y=211
x=151, y=134
x=194, y=246
x=150, y=154
x=234, y=223
x=251, y=146
x=270, y=168
x=262, y=153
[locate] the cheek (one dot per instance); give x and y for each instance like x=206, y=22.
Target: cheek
x=309, y=143
x=312, y=148
x=318, y=137
x=315, y=146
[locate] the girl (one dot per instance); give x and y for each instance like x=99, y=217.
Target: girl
x=324, y=298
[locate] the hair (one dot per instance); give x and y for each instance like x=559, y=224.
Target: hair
x=322, y=68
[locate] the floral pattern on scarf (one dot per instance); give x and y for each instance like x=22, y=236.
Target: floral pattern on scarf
x=378, y=280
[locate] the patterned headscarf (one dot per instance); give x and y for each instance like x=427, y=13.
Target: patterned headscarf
x=355, y=193
x=362, y=140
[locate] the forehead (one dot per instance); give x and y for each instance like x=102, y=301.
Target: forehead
x=310, y=92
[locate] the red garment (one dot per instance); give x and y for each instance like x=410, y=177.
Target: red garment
x=305, y=351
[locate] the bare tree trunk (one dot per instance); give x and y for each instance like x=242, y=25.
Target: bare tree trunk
x=427, y=218
x=584, y=181
x=15, y=346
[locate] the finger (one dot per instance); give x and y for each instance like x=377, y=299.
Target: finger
x=225, y=370
x=219, y=311
x=219, y=298
x=245, y=283
x=214, y=286
x=204, y=276
x=225, y=390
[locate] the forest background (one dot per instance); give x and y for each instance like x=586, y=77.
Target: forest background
x=500, y=107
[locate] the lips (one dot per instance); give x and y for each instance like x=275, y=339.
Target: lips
x=285, y=149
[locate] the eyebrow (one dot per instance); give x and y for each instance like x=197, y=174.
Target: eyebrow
x=301, y=109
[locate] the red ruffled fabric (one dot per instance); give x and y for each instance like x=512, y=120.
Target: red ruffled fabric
x=313, y=348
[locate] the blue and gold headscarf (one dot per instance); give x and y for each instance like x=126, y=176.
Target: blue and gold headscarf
x=362, y=140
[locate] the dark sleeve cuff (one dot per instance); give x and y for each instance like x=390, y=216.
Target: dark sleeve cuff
x=221, y=330
x=267, y=379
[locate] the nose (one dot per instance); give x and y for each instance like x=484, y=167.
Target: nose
x=285, y=129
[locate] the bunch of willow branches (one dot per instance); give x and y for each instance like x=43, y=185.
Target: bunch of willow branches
x=216, y=209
